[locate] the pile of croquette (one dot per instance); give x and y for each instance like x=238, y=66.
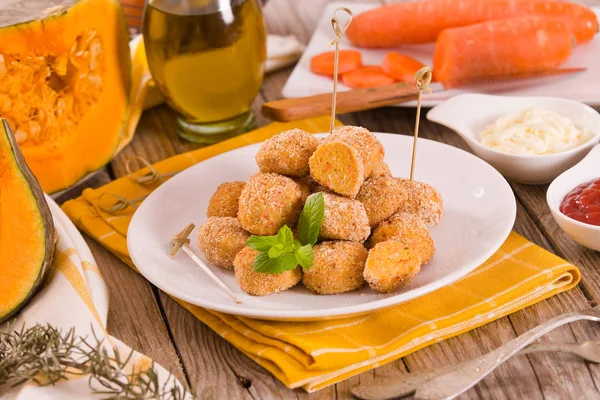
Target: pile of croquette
x=375, y=228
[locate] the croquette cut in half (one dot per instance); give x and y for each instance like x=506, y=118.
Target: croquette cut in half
x=287, y=153
x=220, y=239
x=260, y=283
x=337, y=268
x=391, y=266
x=269, y=201
x=368, y=146
x=344, y=219
x=225, y=201
x=407, y=229
x=423, y=200
x=382, y=196
x=338, y=167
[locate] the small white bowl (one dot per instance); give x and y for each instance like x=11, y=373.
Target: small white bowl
x=469, y=114
x=585, y=171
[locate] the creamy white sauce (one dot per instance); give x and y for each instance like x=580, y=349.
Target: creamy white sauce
x=533, y=131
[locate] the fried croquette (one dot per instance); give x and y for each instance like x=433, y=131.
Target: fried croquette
x=345, y=219
x=381, y=169
x=269, y=201
x=337, y=166
x=306, y=185
x=382, y=196
x=260, y=283
x=391, y=266
x=407, y=229
x=225, y=201
x=220, y=239
x=423, y=200
x=368, y=146
x=337, y=268
x=287, y=153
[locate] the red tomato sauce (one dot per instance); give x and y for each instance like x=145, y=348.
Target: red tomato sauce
x=583, y=203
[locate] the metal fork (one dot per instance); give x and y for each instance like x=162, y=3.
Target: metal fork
x=460, y=379
x=386, y=388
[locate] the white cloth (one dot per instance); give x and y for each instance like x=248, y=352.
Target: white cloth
x=282, y=51
x=75, y=297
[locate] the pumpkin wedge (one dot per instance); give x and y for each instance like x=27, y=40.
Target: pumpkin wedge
x=64, y=84
x=26, y=229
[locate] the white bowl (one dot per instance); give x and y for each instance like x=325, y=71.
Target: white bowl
x=469, y=114
x=585, y=171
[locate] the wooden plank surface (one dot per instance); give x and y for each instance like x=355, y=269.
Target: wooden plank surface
x=148, y=320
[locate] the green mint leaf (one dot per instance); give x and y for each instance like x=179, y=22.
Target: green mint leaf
x=297, y=244
x=287, y=261
x=285, y=236
x=311, y=219
x=304, y=256
x=275, y=252
x=262, y=243
x=265, y=264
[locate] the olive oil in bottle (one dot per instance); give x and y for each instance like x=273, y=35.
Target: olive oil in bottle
x=207, y=58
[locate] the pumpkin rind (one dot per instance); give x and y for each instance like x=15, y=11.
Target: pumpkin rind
x=27, y=235
x=64, y=69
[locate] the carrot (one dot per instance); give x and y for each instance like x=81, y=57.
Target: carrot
x=367, y=76
x=422, y=21
x=499, y=47
x=400, y=66
x=349, y=60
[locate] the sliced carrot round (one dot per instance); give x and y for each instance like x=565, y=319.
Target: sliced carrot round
x=400, y=66
x=349, y=60
x=368, y=76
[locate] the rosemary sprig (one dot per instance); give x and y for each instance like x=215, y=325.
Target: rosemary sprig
x=45, y=355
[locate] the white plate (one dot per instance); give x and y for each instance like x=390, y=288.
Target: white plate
x=479, y=212
x=583, y=87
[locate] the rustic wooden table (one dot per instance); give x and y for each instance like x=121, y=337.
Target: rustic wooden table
x=149, y=321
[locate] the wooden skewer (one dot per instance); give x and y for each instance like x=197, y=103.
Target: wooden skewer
x=181, y=241
x=339, y=32
x=422, y=80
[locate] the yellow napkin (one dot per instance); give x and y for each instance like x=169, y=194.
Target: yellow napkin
x=313, y=355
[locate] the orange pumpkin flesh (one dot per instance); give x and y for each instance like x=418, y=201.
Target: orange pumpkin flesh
x=26, y=229
x=64, y=73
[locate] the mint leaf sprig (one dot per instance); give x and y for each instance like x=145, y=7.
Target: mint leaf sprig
x=281, y=252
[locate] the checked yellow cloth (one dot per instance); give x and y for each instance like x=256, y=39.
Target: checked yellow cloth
x=313, y=355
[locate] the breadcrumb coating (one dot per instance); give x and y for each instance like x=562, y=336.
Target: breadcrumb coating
x=381, y=169
x=337, y=166
x=269, y=201
x=306, y=185
x=287, y=153
x=220, y=239
x=423, y=200
x=338, y=268
x=368, y=146
x=345, y=219
x=259, y=283
x=382, y=196
x=391, y=266
x=225, y=201
x=409, y=230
